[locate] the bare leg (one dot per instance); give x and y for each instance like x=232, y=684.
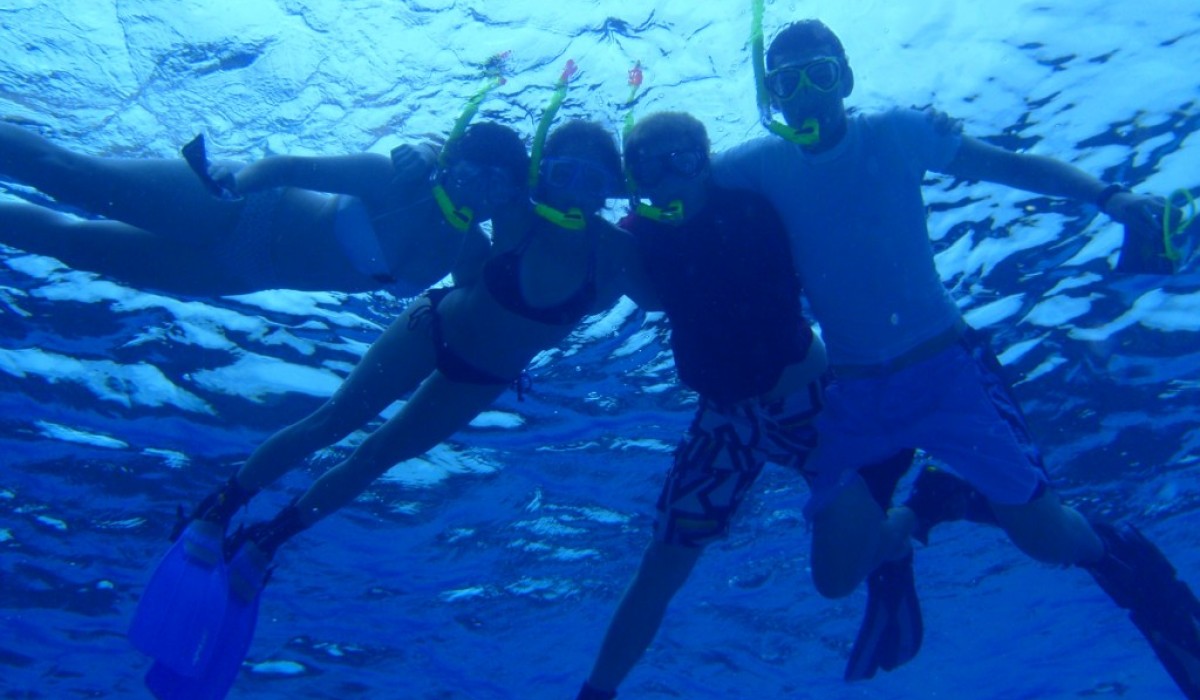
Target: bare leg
x=393, y=366
x=1048, y=531
x=852, y=536
x=663, y=570
x=162, y=196
x=130, y=254
x=438, y=409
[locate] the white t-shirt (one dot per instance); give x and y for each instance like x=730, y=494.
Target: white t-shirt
x=856, y=219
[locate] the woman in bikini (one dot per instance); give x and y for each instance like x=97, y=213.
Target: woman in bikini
x=453, y=351
x=350, y=223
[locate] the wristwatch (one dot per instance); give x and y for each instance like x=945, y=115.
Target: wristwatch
x=1108, y=193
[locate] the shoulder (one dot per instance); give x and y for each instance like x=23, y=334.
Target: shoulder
x=929, y=136
x=923, y=121
x=751, y=150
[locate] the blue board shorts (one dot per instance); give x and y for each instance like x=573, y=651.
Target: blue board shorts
x=954, y=405
x=722, y=454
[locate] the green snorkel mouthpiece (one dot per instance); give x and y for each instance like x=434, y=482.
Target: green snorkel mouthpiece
x=809, y=133
x=670, y=214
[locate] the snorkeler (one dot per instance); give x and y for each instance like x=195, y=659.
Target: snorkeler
x=718, y=262
x=453, y=351
x=908, y=371
x=349, y=223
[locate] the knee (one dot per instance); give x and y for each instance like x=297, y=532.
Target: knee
x=328, y=424
x=833, y=583
x=1050, y=532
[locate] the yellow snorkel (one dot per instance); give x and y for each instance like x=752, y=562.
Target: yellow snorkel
x=461, y=217
x=1169, y=231
x=809, y=133
x=573, y=218
x=672, y=212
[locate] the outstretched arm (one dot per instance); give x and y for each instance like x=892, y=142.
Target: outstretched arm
x=977, y=160
x=363, y=175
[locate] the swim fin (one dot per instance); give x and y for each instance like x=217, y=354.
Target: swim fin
x=179, y=615
x=1140, y=579
x=937, y=496
x=248, y=572
x=892, y=628
x=196, y=155
x=1143, y=253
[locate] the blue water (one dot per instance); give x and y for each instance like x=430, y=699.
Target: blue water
x=489, y=569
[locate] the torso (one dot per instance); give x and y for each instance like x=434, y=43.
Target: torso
x=856, y=219
x=552, y=270
x=729, y=288
x=418, y=245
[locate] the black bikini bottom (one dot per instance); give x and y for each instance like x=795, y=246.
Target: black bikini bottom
x=449, y=363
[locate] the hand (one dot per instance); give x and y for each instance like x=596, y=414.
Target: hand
x=943, y=124
x=225, y=174
x=1143, y=248
x=1137, y=210
x=413, y=163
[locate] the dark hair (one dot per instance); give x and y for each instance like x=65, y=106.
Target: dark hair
x=805, y=35
x=489, y=143
x=662, y=125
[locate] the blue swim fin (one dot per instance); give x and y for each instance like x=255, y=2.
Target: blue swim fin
x=179, y=615
x=1139, y=578
x=247, y=575
x=892, y=628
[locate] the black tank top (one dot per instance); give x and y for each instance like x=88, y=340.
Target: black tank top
x=502, y=275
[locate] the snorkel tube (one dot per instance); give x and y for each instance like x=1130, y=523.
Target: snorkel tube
x=672, y=212
x=573, y=218
x=1169, y=231
x=460, y=217
x=809, y=133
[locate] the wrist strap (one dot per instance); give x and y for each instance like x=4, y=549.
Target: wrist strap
x=1108, y=193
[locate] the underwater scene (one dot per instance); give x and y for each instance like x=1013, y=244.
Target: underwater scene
x=489, y=567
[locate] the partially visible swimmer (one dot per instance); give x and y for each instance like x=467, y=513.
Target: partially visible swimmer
x=351, y=223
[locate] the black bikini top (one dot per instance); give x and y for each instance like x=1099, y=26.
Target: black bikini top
x=502, y=275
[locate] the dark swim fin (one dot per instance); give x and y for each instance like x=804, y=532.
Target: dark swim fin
x=179, y=615
x=248, y=573
x=1143, y=252
x=196, y=155
x=1140, y=579
x=892, y=629
x=938, y=496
